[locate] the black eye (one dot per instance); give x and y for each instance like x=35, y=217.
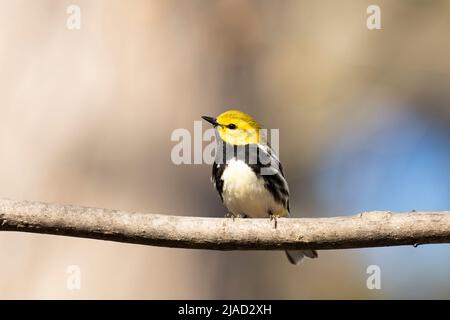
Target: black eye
x=231, y=126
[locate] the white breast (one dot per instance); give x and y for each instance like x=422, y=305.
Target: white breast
x=244, y=193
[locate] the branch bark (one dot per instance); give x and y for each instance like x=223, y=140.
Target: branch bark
x=369, y=229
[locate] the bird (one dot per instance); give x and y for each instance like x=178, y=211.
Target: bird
x=247, y=173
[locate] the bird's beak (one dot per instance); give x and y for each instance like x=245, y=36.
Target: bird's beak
x=211, y=120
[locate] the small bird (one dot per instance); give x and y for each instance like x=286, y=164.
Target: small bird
x=247, y=174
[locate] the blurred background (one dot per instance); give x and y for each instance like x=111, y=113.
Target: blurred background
x=86, y=118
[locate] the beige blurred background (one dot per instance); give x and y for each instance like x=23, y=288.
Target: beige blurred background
x=86, y=117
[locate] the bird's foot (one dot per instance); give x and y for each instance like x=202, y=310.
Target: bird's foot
x=273, y=218
x=229, y=215
x=234, y=216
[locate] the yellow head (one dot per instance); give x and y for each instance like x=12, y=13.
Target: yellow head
x=236, y=127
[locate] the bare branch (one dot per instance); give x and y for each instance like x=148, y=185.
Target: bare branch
x=369, y=229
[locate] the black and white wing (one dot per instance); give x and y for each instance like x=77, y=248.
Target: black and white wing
x=269, y=168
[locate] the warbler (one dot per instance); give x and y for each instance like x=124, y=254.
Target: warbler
x=247, y=174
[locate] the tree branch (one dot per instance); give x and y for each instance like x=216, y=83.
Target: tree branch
x=369, y=229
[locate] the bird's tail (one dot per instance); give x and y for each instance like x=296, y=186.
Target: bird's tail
x=295, y=256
